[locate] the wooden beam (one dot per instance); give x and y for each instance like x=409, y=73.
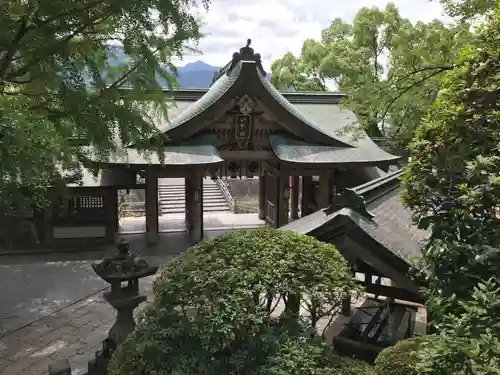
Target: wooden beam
x=246, y=155
x=362, y=267
x=393, y=292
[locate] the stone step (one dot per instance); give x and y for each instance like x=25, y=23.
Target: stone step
x=182, y=188
x=182, y=185
x=206, y=194
x=205, y=204
x=205, y=200
x=205, y=183
x=181, y=191
x=205, y=209
x=172, y=198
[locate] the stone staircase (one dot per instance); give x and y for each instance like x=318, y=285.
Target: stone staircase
x=171, y=195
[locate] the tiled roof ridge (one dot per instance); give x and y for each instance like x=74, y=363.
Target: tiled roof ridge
x=294, y=97
x=374, y=189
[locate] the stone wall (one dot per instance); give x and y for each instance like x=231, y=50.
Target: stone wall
x=245, y=190
x=131, y=204
x=134, y=195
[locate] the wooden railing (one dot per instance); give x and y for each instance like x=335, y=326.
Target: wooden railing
x=227, y=194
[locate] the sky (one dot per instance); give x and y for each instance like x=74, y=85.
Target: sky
x=280, y=26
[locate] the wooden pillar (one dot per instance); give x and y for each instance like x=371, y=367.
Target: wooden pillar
x=284, y=200
x=152, y=225
x=294, y=197
x=306, y=195
x=194, y=206
x=187, y=204
x=325, y=191
x=262, y=196
x=48, y=225
x=111, y=204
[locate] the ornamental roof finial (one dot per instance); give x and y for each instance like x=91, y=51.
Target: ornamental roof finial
x=246, y=53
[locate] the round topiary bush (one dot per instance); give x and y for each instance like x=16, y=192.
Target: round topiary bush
x=216, y=308
x=399, y=359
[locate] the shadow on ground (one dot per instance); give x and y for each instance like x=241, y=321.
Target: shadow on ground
x=33, y=286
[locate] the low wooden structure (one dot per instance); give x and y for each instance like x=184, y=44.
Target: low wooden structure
x=373, y=231
x=374, y=326
x=240, y=126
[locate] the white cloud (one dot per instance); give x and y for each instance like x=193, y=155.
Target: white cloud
x=280, y=26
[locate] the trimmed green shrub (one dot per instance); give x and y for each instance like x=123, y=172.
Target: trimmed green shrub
x=399, y=359
x=215, y=308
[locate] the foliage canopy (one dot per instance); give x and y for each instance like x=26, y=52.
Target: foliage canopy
x=387, y=66
x=452, y=185
x=62, y=63
x=452, y=180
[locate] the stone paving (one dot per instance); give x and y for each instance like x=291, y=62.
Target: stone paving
x=177, y=222
x=74, y=332
x=52, y=305
x=35, y=285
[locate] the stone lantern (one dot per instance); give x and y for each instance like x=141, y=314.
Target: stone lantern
x=124, y=267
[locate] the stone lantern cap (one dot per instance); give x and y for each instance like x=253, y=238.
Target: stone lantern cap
x=123, y=266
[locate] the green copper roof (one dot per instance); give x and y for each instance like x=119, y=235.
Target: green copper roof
x=320, y=127
x=295, y=151
x=198, y=151
x=333, y=121
x=295, y=111
x=215, y=92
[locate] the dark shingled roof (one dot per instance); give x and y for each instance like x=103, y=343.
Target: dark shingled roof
x=294, y=151
x=391, y=225
x=198, y=151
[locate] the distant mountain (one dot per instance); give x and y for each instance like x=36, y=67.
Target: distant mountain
x=196, y=75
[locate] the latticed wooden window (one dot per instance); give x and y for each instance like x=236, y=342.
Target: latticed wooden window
x=88, y=203
x=80, y=208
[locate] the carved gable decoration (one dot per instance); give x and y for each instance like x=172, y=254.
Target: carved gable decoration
x=246, y=105
x=243, y=120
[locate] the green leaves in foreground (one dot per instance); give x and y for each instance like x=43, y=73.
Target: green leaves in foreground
x=63, y=64
x=452, y=177
x=216, y=308
x=466, y=344
x=452, y=187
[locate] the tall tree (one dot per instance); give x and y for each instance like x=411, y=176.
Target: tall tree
x=452, y=180
x=465, y=10
x=60, y=77
x=453, y=187
x=382, y=62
